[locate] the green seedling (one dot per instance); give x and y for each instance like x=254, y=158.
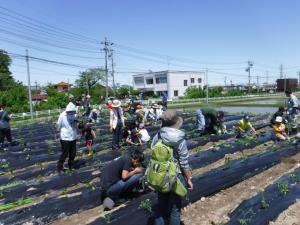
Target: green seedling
x=146, y=204
x=227, y=159
x=7, y=186
x=40, y=178
x=244, y=156
x=5, y=165
x=246, y=217
x=1, y=194
x=90, y=186
x=28, y=157
x=15, y=204
x=108, y=218
x=264, y=203
x=283, y=187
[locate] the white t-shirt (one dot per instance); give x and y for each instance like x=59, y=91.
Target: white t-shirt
x=144, y=135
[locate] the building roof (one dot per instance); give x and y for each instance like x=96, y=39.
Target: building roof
x=62, y=84
x=38, y=97
x=167, y=71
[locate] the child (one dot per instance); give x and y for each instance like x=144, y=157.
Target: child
x=133, y=137
x=244, y=126
x=90, y=136
x=279, y=129
x=143, y=134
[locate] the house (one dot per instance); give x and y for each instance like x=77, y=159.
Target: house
x=62, y=86
x=174, y=83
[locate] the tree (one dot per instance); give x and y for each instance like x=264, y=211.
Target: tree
x=89, y=78
x=6, y=79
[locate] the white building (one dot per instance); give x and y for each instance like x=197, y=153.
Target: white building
x=174, y=83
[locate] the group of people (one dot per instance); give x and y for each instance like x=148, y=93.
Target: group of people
x=167, y=171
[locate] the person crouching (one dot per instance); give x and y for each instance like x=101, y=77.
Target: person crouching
x=279, y=129
x=120, y=176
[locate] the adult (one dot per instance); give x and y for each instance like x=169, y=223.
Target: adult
x=120, y=176
x=292, y=109
x=213, y=121
x=170, y=204
x=164, y=100
x=67, y=125
x=116, y=123
x=5, y=131
x=279, y=112
x=93, y=116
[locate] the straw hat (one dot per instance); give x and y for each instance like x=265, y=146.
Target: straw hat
x=116, y=103
x=170, y=118
x=155, y=106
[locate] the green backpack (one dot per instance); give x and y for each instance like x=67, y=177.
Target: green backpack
x=162, y=172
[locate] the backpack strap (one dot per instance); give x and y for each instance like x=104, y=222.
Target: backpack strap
x=2, y=116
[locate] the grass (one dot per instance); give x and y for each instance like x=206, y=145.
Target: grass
x=15, y=204
x=264, y=203
x=227, y=159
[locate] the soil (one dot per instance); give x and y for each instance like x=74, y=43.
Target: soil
x=215, y=209
x=289, y=216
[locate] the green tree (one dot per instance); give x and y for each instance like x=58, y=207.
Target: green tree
x=89, y=78
x=6, y=79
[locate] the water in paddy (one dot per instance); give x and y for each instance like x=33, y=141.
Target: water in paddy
x=265, y=102
x=240, y=109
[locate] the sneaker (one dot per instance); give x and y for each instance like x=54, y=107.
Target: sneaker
x=108, y=203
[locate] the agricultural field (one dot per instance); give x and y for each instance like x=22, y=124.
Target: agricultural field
x=246, y=181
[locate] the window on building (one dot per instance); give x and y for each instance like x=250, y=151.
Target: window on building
x=185, y=83
x=139, y=80
x=192, y=80
x=149, y=81
x=161, y=80
x=175, y=92
x=199, y=80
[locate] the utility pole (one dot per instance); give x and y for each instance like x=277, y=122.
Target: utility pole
x=225, y=81
x=106, y=49
x=299, y=80
x=248, y=69
x=29, y=85
x=206, y=73
x=281, y=71
x=257, y=85
x=111, y=56
x=36, y=89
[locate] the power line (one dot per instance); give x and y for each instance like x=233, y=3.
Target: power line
x=46, y=50
x=50, y=27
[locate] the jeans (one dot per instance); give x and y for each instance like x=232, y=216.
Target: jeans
x=115, y=190
x=117, y=137
x=68, y=150
x=200, y=121
x=168, y=209
x=5, y=133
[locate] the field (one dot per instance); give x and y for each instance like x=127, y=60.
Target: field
x=246, y=181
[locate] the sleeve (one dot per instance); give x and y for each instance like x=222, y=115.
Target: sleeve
x=127, y=164
x=111, y=117
x=155, y=140
x=59, y=122
x=295, y=102
x=6, y=117
x=183, y=156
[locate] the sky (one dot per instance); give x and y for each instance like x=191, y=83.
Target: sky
x=218, y=35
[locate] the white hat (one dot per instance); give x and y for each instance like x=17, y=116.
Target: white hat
x=94, y=110
x=278, y=119
x=88, y=96
x=116, y=103
x=71, y=107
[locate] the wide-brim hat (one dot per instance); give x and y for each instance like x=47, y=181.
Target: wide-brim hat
x=278, y=119
x=155, y=106
x=170, y=118
x=116, y=103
